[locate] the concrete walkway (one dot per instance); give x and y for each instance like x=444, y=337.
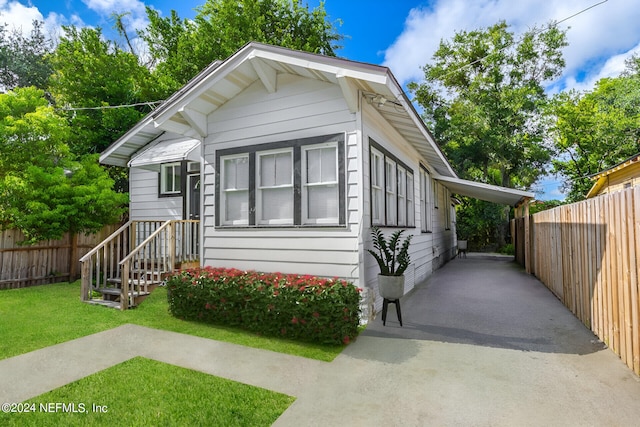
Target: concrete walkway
x=483, y=343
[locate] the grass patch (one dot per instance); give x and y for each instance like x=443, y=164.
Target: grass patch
x=41, y=316
x=143, y=392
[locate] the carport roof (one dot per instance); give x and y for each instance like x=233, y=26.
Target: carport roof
x=490, y=193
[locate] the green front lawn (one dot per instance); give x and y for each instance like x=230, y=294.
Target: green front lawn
x=143, y=392
x=41, y=316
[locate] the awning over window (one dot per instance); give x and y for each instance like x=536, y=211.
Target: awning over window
x=165, y=151
x=490, y=193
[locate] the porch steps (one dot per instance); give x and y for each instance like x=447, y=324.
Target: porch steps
x=116, y=292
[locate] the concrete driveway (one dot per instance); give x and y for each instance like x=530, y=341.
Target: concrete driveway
x=483, y=344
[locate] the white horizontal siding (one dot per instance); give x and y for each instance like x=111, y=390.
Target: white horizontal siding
x=428, y=250
x=300, y=108
x=144, y=201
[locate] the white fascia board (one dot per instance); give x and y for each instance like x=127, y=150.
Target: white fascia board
x=341, y=67
x=191, y=91
x=480, y=190
x=395, y=88
x=146, y=121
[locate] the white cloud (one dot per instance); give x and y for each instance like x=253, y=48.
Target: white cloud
x=18, y=16
x=134, y=9
x=21, y=17
x=599, y=38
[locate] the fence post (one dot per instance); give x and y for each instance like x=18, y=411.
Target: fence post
x=73, y=257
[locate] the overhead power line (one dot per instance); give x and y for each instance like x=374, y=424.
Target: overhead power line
x=555, y=24
x=151, y=104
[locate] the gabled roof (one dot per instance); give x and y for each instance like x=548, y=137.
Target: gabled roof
x=601, y=177
x=186, y=111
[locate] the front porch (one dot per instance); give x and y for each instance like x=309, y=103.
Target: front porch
x=122, y=270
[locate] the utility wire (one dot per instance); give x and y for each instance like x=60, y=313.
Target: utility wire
x=151, y=104
x=555, y=24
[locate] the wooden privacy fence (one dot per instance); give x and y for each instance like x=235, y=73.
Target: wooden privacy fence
x=46, y=262
x=586, y=253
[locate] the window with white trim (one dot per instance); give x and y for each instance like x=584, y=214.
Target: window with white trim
x=390, y=191
x=447, y=209
x=392, y=187
x=274, y=187
x=425, y=201
x=320, y=195
x=235, y=190
x=299, y=182
x=171, y=179
x=377, y=188
x=411, y=210
x=402, y=196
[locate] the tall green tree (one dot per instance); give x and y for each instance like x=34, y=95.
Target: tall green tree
x=31, y=133
x=23, y=59
x=45, y=190
x=596, y=130
x=483, y=96
x=181, y=48
x=94, y=73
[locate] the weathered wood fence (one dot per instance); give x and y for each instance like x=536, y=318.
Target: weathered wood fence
x=46, y=262
x=587, y=253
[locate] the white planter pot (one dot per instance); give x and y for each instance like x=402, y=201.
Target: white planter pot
x=391, y=287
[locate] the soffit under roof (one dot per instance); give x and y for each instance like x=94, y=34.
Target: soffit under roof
x=184, y=113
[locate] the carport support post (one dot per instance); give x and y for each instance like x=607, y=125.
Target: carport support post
x=522, y=211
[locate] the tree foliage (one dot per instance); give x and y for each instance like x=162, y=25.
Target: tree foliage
x=44, y=190
x=483, y=224
x=483, y=99
x=181, y=48
x=483, y=96
x=92, y=72
x=596, y=130
x=23, y=59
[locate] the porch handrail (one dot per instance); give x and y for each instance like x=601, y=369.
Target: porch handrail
x=154, y=257
x=146, y=241
x=106, y=241
x=120, y=263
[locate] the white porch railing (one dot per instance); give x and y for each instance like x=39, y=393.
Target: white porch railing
x=120, y=270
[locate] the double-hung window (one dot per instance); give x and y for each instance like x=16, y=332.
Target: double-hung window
x=425, y=200
x=287, y=183
x=377, y=188
x=402, y=196
x=274, y=195
x=170, y=179
x=411, y=211
x=234, y=199
x=390, y=187
x=320, y=195
x=392, y=199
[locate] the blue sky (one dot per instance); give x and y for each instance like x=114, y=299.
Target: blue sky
x=403, y=34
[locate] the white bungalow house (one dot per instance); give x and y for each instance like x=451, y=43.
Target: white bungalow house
x=287, y=159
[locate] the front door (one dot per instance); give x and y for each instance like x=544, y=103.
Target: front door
x=193, y=197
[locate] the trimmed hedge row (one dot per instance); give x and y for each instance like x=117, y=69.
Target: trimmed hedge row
x=298, y=307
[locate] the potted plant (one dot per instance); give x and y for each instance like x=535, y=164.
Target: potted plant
x=393, y=259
